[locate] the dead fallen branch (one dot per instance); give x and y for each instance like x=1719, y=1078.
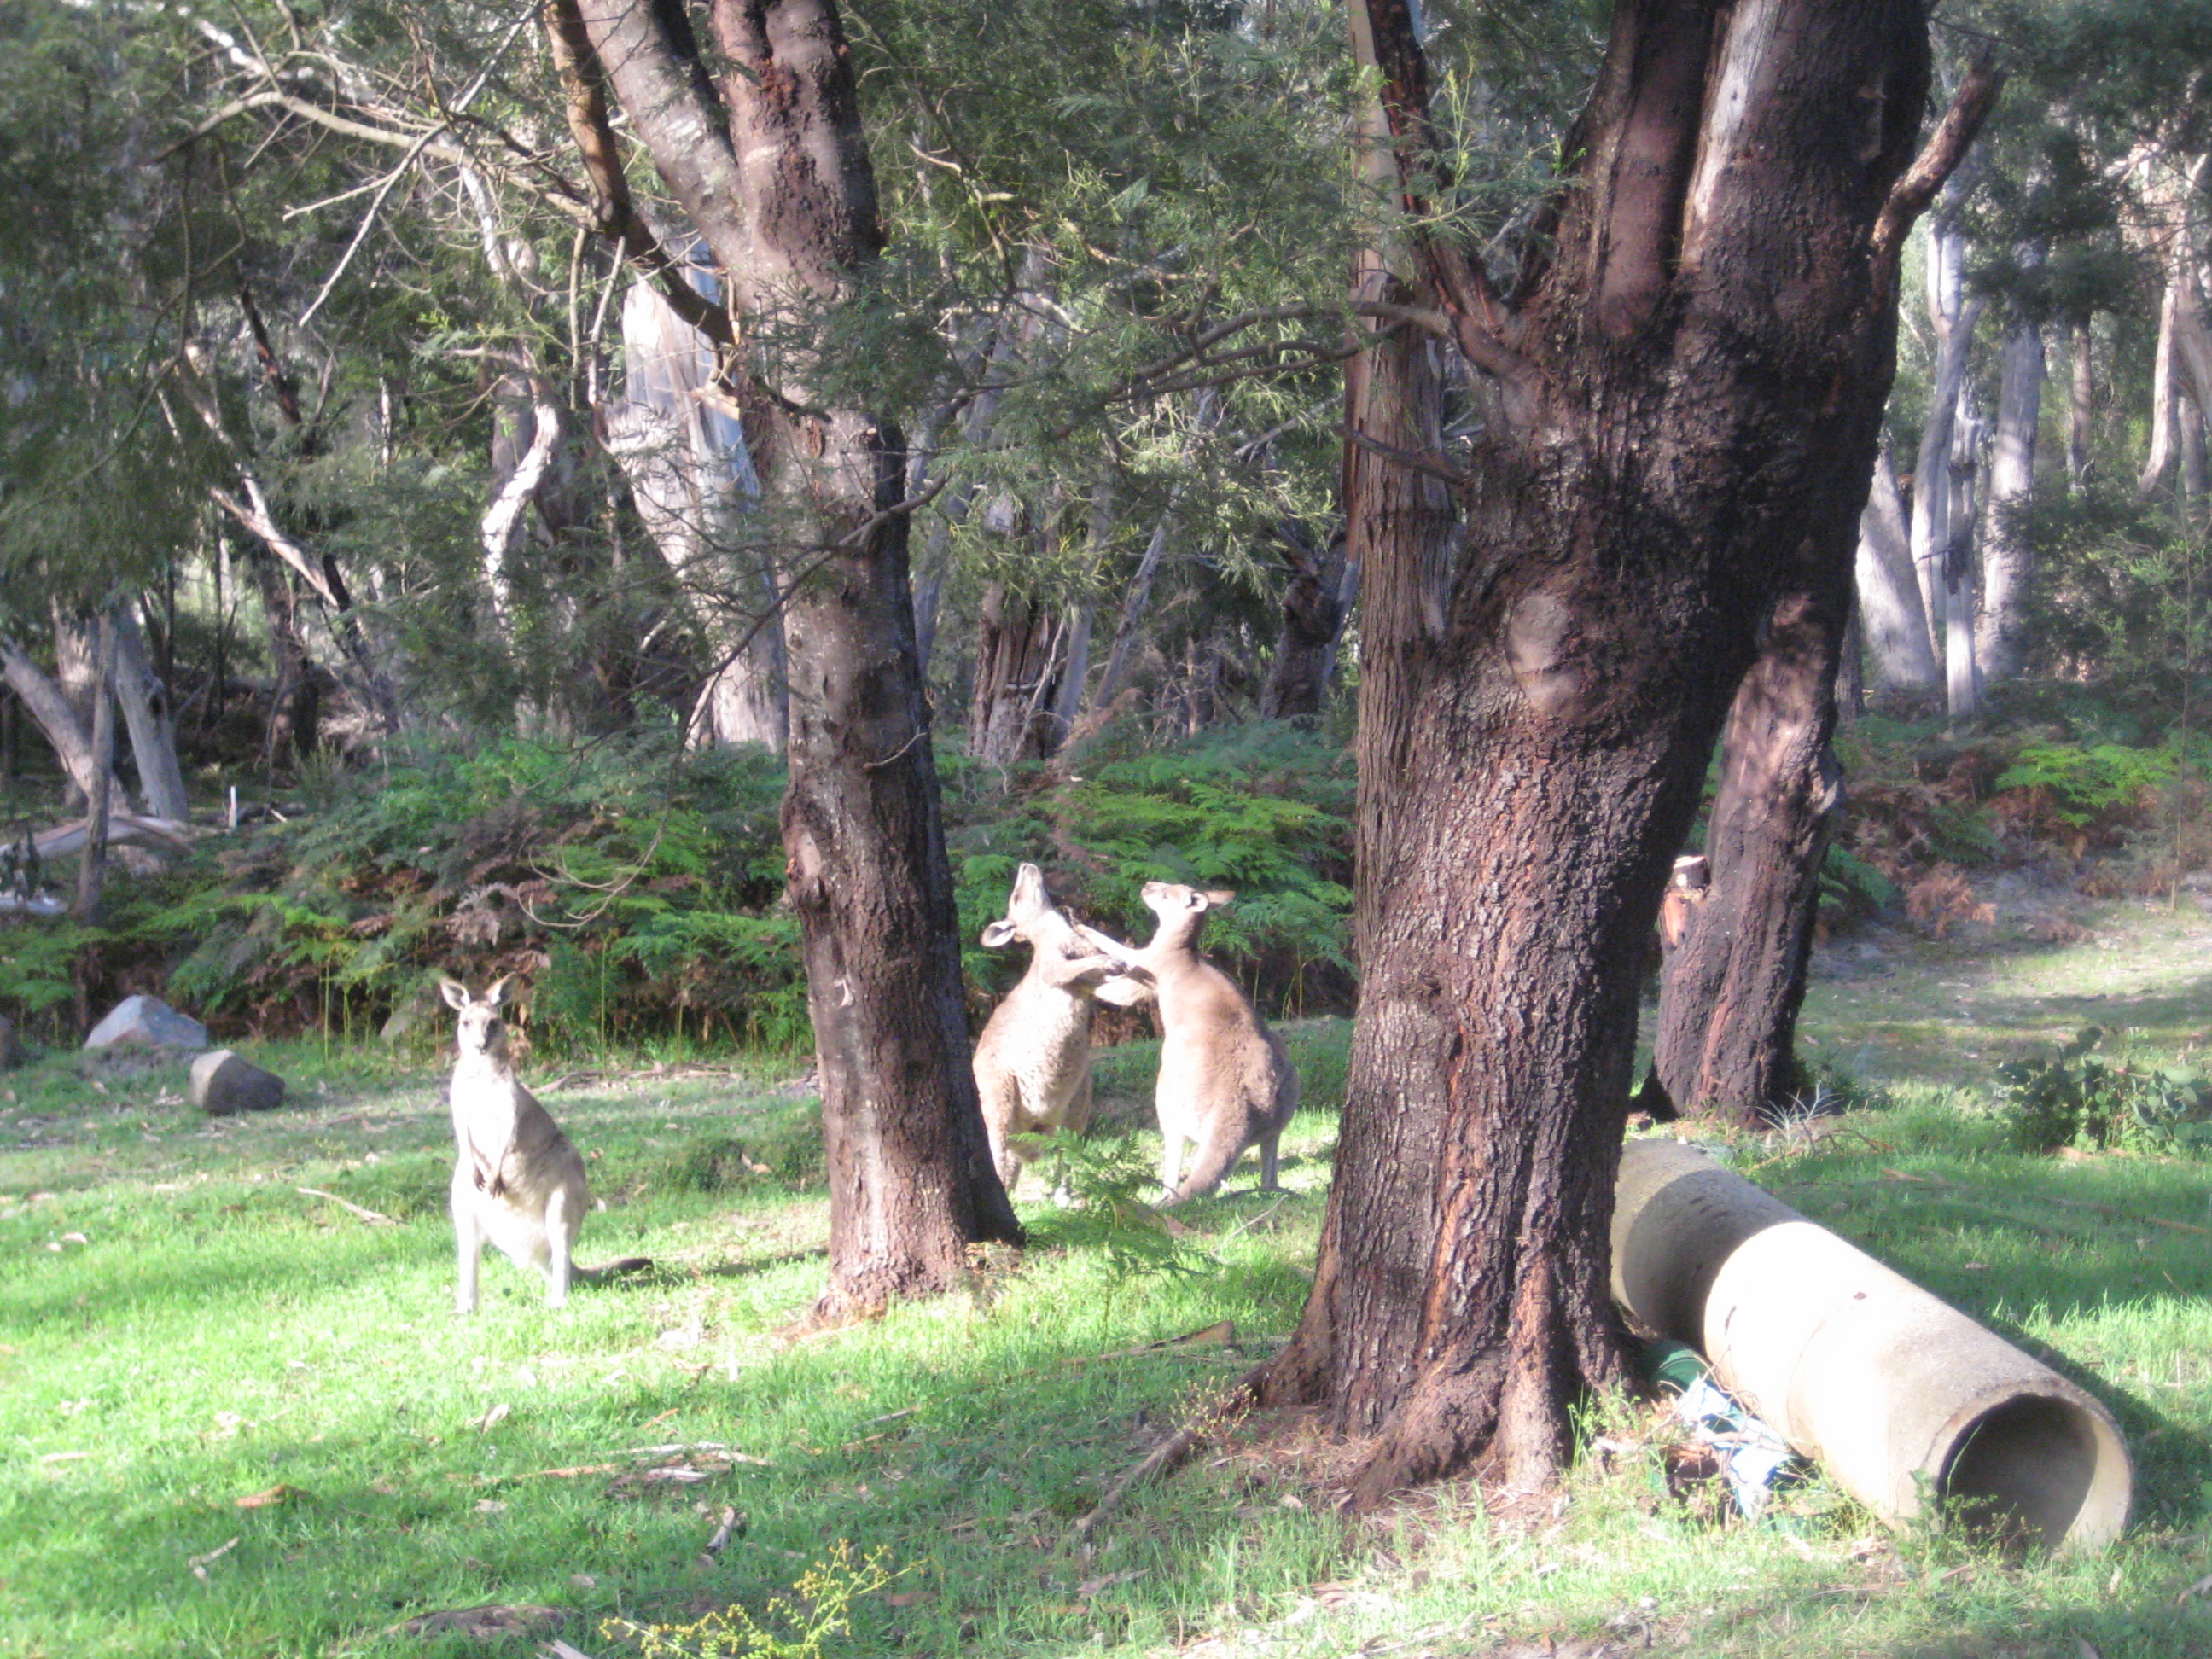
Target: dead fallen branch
x=373, y=1218
x=721, y=1540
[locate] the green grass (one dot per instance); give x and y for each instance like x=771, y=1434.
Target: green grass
x=180, y=1328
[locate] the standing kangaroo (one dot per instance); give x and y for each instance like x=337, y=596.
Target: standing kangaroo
x=518, y=1182
x=1033, y=1060
x=1226, y=1083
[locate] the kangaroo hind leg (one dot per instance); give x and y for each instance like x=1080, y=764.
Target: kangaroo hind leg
x=560, y=1240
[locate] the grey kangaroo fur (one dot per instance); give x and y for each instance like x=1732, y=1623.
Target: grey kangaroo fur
x=1033, y=1060
x=518, y=1182
x=1225, y=1082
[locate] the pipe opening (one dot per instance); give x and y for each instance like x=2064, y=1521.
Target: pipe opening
x=2036, y=1470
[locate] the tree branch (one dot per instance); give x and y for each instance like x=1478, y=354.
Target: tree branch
x=1939, y=158
x=1485, y=329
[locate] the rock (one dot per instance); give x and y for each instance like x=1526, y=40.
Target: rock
x=223, y=1084
x=146, y=1022
x=11, y=1046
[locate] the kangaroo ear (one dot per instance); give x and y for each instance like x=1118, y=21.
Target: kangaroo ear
x=999, y=933
x=455, y=994
x=1219, y=896
x=500, y=989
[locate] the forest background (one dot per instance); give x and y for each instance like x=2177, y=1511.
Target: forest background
x=421, y=532
x=404, y=463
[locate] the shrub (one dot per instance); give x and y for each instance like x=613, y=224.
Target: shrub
x=2076, y=1099
x=2084, y=789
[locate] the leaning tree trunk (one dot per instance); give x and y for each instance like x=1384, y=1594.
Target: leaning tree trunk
x=146, y=711
x=70, y=734
x=2007, y=553
x=771, y=165
x=1687, y=402
x=1890, y=607
x=1729, y=993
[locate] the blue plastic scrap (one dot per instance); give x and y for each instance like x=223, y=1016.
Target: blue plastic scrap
x=1752, y=1454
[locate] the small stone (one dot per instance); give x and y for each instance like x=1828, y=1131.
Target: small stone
x=222, y=1083
x=146, y=1022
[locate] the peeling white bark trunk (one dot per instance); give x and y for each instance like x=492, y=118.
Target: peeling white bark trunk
x=692, y=479
x=1892, y=615
x=1962, y=683
x=501, y=524
x=145, y=703
x=1952, y=313
x=2008, y=555
x=50, y=707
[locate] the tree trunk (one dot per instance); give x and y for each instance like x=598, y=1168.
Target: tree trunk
x=146, y=711
x=2080, y=404
x=1962, y=678
x=691, y=477
x=2159, y=455
x=1890, y=608
x=91, y=864
x=1018, y=655
x=1952, y=313
x=68, y=733
x=1297, y=677
x=1687, y=394
x=1729, y=993
x=2190, y=420
x=2008, y=555
x=774, y=174
x=1067, y=700
x=295, y=701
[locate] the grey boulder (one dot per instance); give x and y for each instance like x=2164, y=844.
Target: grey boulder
x=223, y=1084
x=146, y=1022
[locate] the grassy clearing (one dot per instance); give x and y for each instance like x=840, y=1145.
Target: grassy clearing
x=181, y=1328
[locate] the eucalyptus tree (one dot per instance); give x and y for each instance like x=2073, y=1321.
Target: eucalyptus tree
x=95, y=486
x=1683, y=387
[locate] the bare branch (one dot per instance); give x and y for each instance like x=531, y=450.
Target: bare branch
x=1939, y=158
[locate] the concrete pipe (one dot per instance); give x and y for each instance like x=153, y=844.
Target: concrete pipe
x=1903, y=1400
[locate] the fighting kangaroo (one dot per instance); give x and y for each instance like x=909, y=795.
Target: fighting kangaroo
x=1226, y=1083
x=1033, y=1060
x=518, y=1182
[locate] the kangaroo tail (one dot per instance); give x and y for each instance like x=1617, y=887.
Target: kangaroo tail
x=1224, y=1143
x=629, y=1264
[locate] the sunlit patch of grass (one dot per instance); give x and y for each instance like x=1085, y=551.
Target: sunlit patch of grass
x=181, y=1328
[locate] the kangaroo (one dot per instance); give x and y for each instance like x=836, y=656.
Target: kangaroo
x=1226, y=1083
x=1033, y=1060
x=518, y=1182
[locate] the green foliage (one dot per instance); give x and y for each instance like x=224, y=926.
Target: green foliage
x=1851, y=887
x=2086, y=785
x=796, y=1626
x=2075, y=1098
x=638, y=891
x=36, y=959
x=1263, y=808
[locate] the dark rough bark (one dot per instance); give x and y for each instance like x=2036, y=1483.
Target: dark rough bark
x=1297, y=677
x=1729, y=993
x=1018, y=658
x=771, y=167
x=1686, y=401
